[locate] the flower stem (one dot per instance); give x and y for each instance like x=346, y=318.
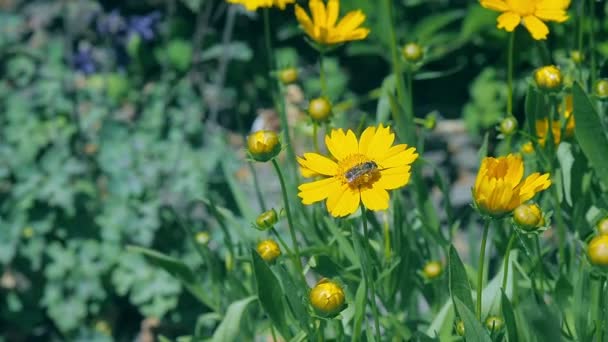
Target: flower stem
x=510, y=74
x=297, y=260
x=592, y=41
x=601, y=310
x=315, y=135
x=540, y=263
x=506, y=263
x=322, y=75
x=482, y=255
x=387, y=239
x=370, y=281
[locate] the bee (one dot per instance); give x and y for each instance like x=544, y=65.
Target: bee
x=360, y=172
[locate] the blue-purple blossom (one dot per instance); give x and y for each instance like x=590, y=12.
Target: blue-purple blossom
x=112, y=24
x=144, y=25
x=83, y=60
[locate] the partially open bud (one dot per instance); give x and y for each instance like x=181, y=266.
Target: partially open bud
x=602, y=226
x=597, y=250
x=508, y=126
x=266, y=220
x=432, y=269
x=576, y=56
x=528, y=217
x=288, y=75
x=548, y=77
x=327, y=297
x=527, y=148
x=412, y=52
x=269, y=250
x=319, y=109
x=494, y=323
x=601, y=89
x=263, y=145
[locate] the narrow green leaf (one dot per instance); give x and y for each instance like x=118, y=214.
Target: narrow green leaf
x=270, y=294
x=360, y=302
x=473, y=330
x=590, y=133
x=531, y=109
x=180, y=271
x=509, y=317
x=566, y=161
x=228, y=330
x=460, y=288
x=345, y=246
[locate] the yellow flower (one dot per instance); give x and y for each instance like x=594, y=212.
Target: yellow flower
x=542, y=125
x=263, y=145
x=269, y=250
x=530, y=13
x=327, y=297
x=548, y=77
x=597, y=250
x=324, y=27
x=500, y=187
x=361, y=170
x=253, y=5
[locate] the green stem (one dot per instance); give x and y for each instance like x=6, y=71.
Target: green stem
x=281, y=241
x=510, y=74
x=368, y=275
x=298, y=262
x=601, y=324
x=322, y=75
x=482, y=255
x=315, y=135
x=387, y=239
x=506, y=263
x=540, y=263
x=592, y=42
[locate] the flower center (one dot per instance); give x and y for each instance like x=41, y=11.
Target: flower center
x=358, y=170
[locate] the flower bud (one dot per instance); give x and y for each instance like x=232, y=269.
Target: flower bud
x=460, y=328
x=269, y=250
x=202, y=238
x=432, y=269
x=527, y=148
x=430, y=122
x=27, y=232
x=288, y=75
x=494, y=323
x=508, y=126
x=548, y=77
x=597, y=250
x=412, y=52
x=319, y=109
x=601, y=89
x=602, y=226
x=327, y=297
x=266, y=220
x=528, y=217
x=263, y=145
x=576, y=56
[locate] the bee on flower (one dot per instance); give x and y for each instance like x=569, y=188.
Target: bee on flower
x=360, y=170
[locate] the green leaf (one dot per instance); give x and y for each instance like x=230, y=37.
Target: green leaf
x=178, y=270
x=566, y=161
x=458, y=280
x=360, y=302
x=509, y=317
x=473, y=330
x=271, y=294
x=228, y=330
x=531, y=109
x=345, y=246
x=590, y=133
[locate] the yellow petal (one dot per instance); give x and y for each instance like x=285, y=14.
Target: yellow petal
x=366, y=138
x=394, y=178
x=319, y=190
x=401, y=158
x=557, y=15
x=375, y=198
x=319, y=164
x=495, y=5
x=533, y=184
x=308, y=173
x=358, y=34
x=344, y=201
x=351, y=21
x=536, y=27
x=341, y=145
x=317, y=7
x=381, y=142
x=515, y=170
x=508, y=21
x=333, y=10
x=304, y=20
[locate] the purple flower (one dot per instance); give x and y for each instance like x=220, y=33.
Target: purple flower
x=111, y=24
x=83, y=60
x=144, y=25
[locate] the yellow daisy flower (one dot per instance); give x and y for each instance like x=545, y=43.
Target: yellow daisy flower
x=324, y=27
x=253, y=5
x=360, y=170
x=531, y=13
x=500, y=187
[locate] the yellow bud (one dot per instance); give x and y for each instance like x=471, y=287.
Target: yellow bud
x=263, y=145
x=576, y=56
x=597, y=250
x=494, y=323
x=327, y=297
x=266, y=220
x=528, y=217
x=202, y=238
x=432, y=269
x=319, y=109
x=269, y=250
x=548, y=77
x=27, y=232
x=460, y=328
x=508, y=125
x=527, y=148
x=288, y=75
x=601, y=89
x=412, y=52
x=602, y=226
